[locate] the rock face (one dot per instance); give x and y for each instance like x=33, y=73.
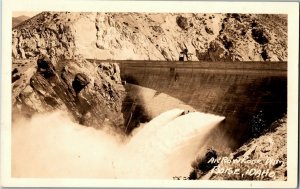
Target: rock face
x=92, y=93
x=212, y=37
x=267, y=152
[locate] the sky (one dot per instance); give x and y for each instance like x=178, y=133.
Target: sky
x=25, y=13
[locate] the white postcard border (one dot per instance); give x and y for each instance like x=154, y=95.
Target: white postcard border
x=290, y=8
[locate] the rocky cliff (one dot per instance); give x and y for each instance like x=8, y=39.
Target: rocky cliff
x=239, y=37
x=91, y=93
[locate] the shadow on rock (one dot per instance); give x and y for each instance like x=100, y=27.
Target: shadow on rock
x=132, y=107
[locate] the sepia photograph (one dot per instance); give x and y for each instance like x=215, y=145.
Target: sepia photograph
x=195, y=97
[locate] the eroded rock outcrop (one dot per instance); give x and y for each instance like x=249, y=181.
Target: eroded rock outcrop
x=91, y=93
x=45, y=34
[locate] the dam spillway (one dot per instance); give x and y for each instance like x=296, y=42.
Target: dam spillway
x=251, y=95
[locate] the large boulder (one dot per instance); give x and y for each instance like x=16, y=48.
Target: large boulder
x=182, y=22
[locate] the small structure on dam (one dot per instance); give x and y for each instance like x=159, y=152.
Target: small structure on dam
x=185, y=55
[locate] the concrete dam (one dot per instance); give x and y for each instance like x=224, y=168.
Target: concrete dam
x=251, y=95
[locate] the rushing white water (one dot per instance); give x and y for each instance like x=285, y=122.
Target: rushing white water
x=53, y=146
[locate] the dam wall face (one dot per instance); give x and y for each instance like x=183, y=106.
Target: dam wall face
x=250, y=95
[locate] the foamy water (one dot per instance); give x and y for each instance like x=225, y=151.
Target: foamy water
x=53, y=146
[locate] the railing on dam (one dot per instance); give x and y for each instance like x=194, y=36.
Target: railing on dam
x=238, y=67
x=190, y=62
